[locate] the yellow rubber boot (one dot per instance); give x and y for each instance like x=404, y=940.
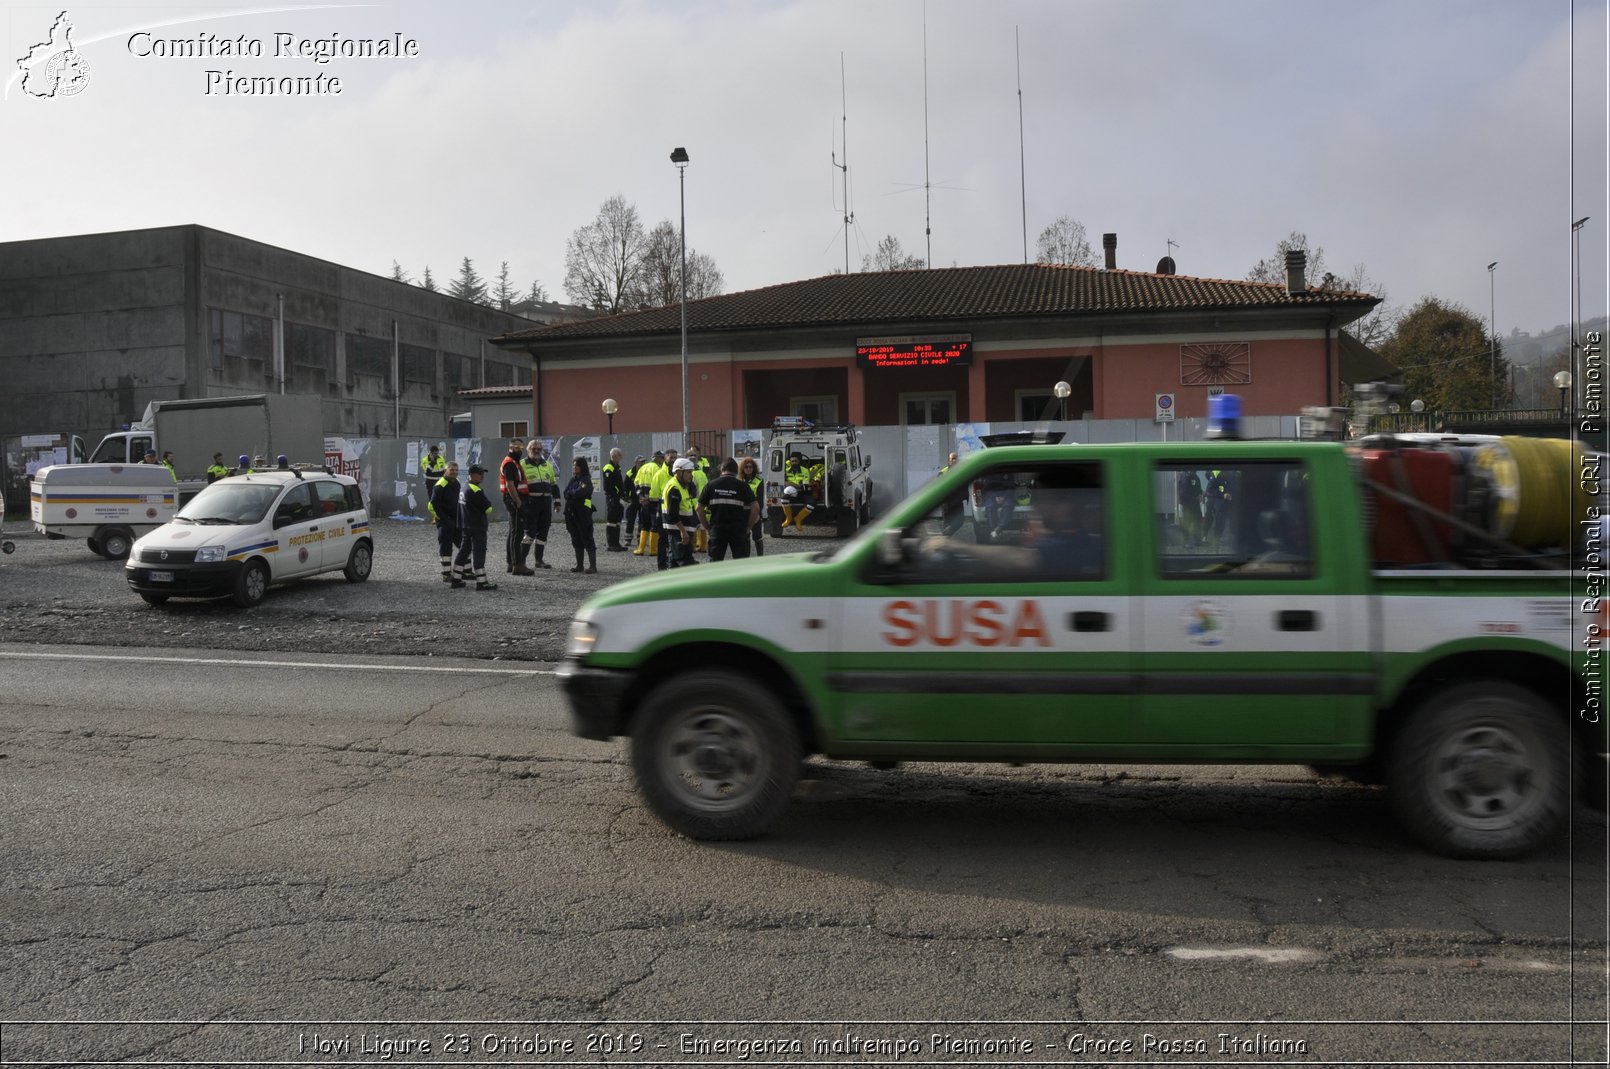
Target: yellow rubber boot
x=788, y=515
x=799, y=520
x=654, y=544
x=699, y=541
x=642, y=541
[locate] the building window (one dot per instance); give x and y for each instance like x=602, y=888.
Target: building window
x=499, y=374
x=419, y=366
x=1036, y=405
x=239, y=336
x=513, y=429
x=369, y=357
x=815, y=409
x=458, y=372
x=311, y=350
x=918, y=409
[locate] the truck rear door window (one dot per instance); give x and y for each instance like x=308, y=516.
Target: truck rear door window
x=1236, y=520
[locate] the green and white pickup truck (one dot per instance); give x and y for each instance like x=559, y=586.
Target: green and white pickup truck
x=1223, y=601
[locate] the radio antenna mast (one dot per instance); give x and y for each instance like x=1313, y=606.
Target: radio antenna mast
x=927, y=191
x=849, y=216
x=1022, y=173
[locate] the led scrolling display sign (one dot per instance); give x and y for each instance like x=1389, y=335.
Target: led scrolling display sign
x=937, y=350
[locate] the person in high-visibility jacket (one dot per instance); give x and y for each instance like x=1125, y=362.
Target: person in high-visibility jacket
x=474, y=516
x=801, y=477
x=579, y=515
x=542, y=486
x=749, y=472
x=443, y=508
x=512, y=485
x=663, y=478
x=432, y=466
x=680, y=506
x=646, y=503
x=216, y=470
x=701, y=479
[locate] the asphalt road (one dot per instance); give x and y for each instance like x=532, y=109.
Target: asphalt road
x=198, y=836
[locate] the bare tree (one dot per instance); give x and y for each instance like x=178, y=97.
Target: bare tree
x=1065, y=242
x=889, y=256
x=1374, y=329
x=1273, y=269
x=604, y=259
x=662, y=269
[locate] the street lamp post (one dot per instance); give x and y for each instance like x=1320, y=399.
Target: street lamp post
x=1062, y=390
x=679, y=156
x=1492, y=335
x=1562, y=382
x=610, y=408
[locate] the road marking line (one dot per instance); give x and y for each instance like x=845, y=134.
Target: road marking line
x=1267, y=955
x=280, y=664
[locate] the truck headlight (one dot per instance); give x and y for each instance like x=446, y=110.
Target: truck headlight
x=209, y=554
x=583, y=637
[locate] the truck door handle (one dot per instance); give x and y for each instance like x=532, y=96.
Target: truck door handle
x=1297, y=620
x=1090, y=621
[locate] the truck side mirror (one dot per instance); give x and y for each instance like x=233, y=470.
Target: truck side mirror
x=866, y=461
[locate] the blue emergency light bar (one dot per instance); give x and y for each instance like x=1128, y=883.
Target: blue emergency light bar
x=1224, y=416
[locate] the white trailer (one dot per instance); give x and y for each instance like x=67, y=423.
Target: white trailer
x=110, y=505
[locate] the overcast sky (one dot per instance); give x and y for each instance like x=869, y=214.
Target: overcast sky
x=1421, y=138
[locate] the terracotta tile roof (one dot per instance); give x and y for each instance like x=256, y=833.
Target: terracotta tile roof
x=500, y=391
x=940, y=294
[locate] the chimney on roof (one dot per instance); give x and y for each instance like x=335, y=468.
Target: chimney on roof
x=1109, y=243
x=1296, y=267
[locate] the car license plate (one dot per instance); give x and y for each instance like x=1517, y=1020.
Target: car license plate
x=161, y=577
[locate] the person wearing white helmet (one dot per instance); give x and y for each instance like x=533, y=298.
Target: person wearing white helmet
x=680, y=516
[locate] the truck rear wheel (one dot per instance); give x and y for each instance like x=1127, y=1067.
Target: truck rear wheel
x=716, y=755
x=1482, y=771
x=114, y=542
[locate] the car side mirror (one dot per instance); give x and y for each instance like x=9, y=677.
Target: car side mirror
x=866, y=461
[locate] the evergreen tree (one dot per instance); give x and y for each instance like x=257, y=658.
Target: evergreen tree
x=398, y=274
x=536, y=294
x=468, y=286
x=427, y=282
x=504, y=293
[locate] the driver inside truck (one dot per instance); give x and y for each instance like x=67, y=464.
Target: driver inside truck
x=1064, y=540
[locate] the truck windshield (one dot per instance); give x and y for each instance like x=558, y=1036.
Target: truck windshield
x=230, y=502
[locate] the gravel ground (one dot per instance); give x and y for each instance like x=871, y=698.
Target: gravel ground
x=57, y=592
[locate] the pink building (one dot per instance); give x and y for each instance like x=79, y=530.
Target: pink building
x=953, y=344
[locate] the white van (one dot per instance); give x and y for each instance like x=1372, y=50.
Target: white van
x=243, y=533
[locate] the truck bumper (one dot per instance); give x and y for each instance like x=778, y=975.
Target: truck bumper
x=188, y=580
x=597, y=699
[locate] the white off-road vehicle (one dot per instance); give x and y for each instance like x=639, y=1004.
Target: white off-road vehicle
x=838, y=483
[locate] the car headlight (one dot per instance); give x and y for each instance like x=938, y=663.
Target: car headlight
x=583, y=637
x=209, y=554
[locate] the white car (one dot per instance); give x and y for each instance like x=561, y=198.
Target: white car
x=239, y=535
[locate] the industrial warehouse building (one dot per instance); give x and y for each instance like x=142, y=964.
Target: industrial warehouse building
x=947, y=345
x=93, y=327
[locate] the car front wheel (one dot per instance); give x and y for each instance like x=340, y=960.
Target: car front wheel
x=715, y=755
x=252, y=584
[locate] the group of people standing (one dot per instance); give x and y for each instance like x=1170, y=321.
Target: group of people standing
x=682, y=509
x=529, y=487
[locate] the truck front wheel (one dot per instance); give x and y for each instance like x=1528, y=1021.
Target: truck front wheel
x=716, y=755
x=1482, y=771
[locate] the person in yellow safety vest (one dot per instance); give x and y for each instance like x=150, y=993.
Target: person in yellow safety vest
x=797, y=491
x=681, y=513
x=216, y=469
x=701, y=479
x=647, y=506
x=432, y=466
x=662, y=479
x=543, y=483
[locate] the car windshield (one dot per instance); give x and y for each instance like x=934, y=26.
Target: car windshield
x=230, y=502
